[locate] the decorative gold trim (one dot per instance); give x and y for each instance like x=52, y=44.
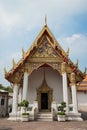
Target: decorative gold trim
x=13, y=62
x=23, y=53
x=45, y=60
x=85, y=70
x=67, y=52
x=73, y=79
x=5, y=71
x=44, y=88
x=77, y=62
x=45, y=21
x=63, y=67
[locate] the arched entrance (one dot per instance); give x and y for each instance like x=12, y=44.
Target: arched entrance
x=45, y=84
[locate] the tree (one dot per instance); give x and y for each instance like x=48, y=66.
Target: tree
x=9, y=88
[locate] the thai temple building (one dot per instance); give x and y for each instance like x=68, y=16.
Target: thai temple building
x=4, y=97
x=45, y=76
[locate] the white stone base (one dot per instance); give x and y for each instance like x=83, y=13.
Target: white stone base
x=69, y=116
x=74, y=117
x=15, y=116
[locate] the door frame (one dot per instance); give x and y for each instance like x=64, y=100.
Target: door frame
x=49, y=91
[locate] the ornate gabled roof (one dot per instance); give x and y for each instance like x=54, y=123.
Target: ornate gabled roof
x=45, y=41
x=82, y=86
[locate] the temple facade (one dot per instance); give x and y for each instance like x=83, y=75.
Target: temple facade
x=45, y=76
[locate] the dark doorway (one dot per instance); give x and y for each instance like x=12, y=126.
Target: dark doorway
x=44, y=100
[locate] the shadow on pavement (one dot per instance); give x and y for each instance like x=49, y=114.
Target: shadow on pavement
x=84, y=115
x=5, y=128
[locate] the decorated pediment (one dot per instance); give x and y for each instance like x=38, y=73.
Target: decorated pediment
x=45, y=49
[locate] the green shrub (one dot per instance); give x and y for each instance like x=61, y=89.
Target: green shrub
x=61, y=108
x=25, y=113
x=24, y=103
x=61, y=113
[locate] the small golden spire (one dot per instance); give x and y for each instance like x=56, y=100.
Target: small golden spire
x=85, y=70
x=67, y=52
x=5, y=71
x=45, y=21
x=77, y=63
x=23, y=52
x=13, y=62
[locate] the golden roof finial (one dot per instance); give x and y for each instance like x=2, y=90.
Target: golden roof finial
x=13, y=62
x=23, y=52
x=45, y=21
x=77, y=63
x=5, y=71
x=85, y=70
x=67, y=52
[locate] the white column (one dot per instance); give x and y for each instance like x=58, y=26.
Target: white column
x=74, y=93
x=25, y=86
x=65, y=87
x=20, y=94
x=15, y=99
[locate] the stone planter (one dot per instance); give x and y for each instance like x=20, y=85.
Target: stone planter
x=61, y=117
x=25, y=117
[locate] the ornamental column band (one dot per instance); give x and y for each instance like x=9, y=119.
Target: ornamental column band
x=15, y=99
x=74, y=93
x=25, y=84
x=65, y=87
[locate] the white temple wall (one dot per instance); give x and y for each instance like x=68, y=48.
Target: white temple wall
x=35, y=80
x=53, y=79
x=82, y=101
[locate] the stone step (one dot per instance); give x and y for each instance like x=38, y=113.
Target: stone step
x=44, y=116
x=44, y=119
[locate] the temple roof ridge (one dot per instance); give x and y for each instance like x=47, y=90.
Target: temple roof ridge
x=55, y=45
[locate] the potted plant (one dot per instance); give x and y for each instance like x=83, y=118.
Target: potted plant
x=61, y=116
x=24, y=105
x=25, y=116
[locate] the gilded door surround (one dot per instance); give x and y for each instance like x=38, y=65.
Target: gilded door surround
x=44, y=88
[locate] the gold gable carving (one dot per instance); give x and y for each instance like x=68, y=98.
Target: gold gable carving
x=45, y=49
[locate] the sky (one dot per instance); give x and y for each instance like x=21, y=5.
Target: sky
x=22, y=20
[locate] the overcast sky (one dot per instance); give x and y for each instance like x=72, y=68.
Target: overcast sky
x=22, y=20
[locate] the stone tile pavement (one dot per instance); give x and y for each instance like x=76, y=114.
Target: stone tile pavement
x=18, y=125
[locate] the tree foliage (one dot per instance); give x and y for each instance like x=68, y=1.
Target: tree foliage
x=9, y=88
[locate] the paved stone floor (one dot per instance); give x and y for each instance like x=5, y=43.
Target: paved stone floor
x=18, y=125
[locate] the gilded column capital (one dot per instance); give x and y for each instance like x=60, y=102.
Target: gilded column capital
x=73, y=79
x=63, y=67
x=26, y=67
x=16, y=79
